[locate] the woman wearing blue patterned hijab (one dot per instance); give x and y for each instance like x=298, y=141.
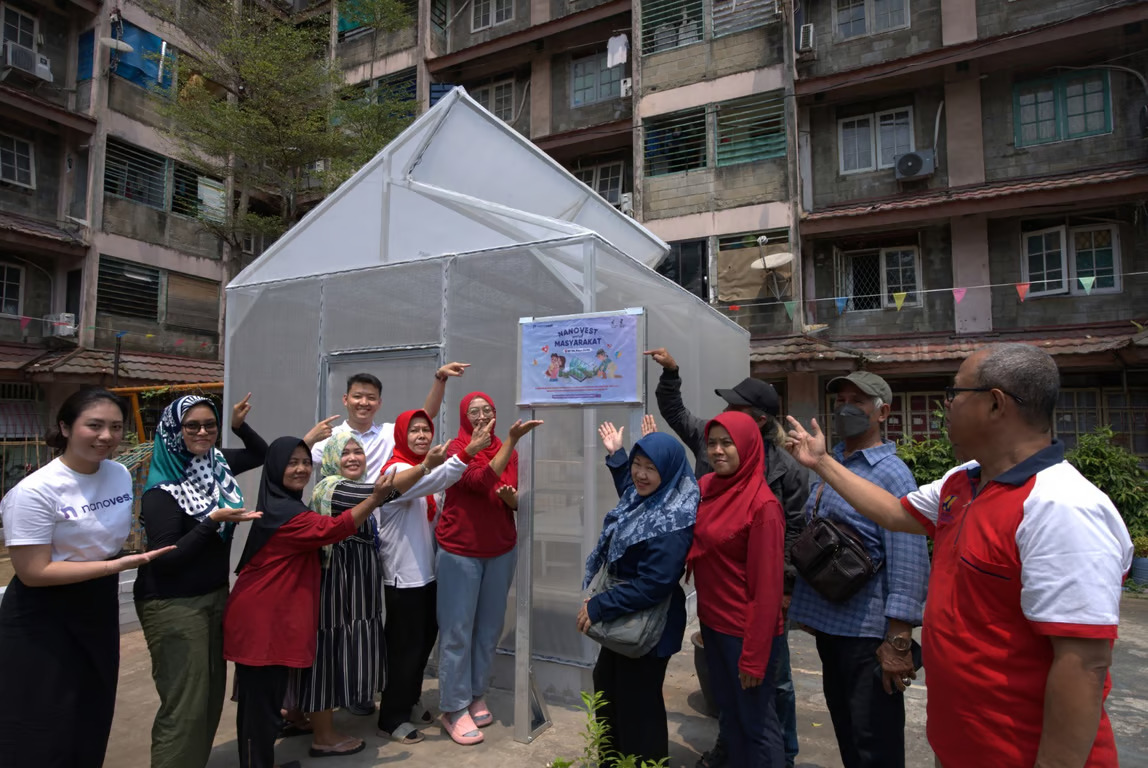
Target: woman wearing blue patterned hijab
x=643, y=546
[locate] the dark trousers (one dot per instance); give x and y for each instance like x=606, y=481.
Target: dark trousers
x=261, y=692
x=869, y=723
x=633, y=708
x=747, y=717
x=410, y=634
x=785, y=699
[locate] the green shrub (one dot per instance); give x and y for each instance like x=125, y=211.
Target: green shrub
x=930, y=459
x=1116, y=471
x=596, y=752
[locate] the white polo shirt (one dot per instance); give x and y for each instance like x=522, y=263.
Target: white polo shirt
x=84, y=517
x=378, y=443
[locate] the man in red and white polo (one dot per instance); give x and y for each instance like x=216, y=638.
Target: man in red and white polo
x=1028, y=562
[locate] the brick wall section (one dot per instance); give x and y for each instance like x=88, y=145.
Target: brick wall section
x=995, y=17
x=140, y=222
x=935, y=312
x=565, y=117
x=1003, y=159
x=162, y=340
x=1005, y=267
x=833, y=55
x=360, y=49
x=831, y=187
x=678, y=194
x=714, y=189
x=710, y=59
x=138, y=103
x=750, y=183
x=38, y=203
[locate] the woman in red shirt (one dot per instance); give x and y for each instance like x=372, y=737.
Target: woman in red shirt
x=476, y=535
x=272, y=617
x=738, y=559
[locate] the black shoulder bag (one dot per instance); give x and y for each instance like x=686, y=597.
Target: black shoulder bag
x=831, y=557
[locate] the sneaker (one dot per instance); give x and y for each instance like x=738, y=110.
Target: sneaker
x=362, y=708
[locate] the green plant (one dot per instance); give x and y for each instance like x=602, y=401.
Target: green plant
x=929, y=459
x=1140, y=546
x=1116, y=471
x=596, y=752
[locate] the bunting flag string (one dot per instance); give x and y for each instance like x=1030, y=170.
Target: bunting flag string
x=841, y=302
x=1086, y=283
x=899, y=299
x=26, y=322
x=789, y=307
x=1022, y=290
x=959, y=293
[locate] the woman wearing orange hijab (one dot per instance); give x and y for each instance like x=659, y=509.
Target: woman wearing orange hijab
x=476, y=536
x=738, y=560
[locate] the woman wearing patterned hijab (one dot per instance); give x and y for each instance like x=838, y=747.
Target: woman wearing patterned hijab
x=193, y=502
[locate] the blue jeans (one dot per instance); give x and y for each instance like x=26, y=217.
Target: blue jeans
x=786, y=698
x=747, y=718
x=471, y=612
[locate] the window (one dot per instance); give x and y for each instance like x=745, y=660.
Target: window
x=19, y=27
x=731, y=16
x=751, y=129
x=128, y=289
x=498, y=99
x=1070, y=106
x=11, y=281
x=1127, y=412
x=870, y=278
x=192, y=304
x=687, y=264
x=17, y=161
x=593, y=81
x=675, y=142
x=860, y=148
x=670, y=24
x=490, y=13
x=439, y=15
x=1077, y=413
x=1055, y=260
x=855, y=18
x=605, y=179
x=135, y=174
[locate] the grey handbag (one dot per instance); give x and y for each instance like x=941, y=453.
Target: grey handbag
x=634, y=634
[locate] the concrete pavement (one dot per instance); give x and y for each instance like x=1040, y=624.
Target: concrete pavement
x=691, y=732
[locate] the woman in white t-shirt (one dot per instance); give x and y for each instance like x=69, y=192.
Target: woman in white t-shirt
x=59, y=618
x=406, y=532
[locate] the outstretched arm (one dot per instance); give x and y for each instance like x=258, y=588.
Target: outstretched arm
x=438, y=388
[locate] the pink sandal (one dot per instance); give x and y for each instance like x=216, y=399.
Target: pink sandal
x=461, y=729
x=480, y=713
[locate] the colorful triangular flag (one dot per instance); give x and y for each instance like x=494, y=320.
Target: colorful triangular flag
x=959, y=293
x=789, y=307
x=841, y=301
x=24, y=323
x=734, y=307
x=899, y=298
x=1022, y=290
x=121, y=334
x=1086, y=283
x=178, y=342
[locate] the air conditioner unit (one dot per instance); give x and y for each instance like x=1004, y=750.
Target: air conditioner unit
x=62, y=325
x=27, y=60
x=805, y=39
x=626, y=203
x=627, y=86
x=915, y=165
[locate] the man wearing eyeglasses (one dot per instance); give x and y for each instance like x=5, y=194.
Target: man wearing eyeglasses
x=1029, y=558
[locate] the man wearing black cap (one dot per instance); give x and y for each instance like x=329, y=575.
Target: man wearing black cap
x=788, y=480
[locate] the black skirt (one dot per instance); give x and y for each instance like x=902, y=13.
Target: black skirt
x=59, y=665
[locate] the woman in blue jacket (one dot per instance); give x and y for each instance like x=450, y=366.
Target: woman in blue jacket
x=644, y=543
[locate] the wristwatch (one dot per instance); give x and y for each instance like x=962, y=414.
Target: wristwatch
x=426, y=469
x=900, y=643
x=440, y=376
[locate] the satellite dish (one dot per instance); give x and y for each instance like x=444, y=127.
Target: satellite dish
x=116, y=45
x=772, y=261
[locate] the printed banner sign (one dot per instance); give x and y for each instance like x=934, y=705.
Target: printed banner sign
x=587, y=360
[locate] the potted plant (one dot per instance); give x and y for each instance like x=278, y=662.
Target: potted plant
x=1139, y=572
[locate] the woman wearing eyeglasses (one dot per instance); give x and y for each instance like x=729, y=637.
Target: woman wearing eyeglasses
x=192, y=501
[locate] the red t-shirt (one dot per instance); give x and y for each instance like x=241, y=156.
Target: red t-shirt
x=272, y=614
x=740, y=578
x=474, y=521
x=1039, y=552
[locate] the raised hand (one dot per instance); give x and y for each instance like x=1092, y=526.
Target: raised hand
x=509, y=495
x=808, y=448
x=452, y=369
x=649, y=425
x=228, y=515
x=662, y=358
x=520, y=428
x=384, y=485
x=611, y=437
x=480, y=439
x=320, y=431
x=239, y=412
x=436, y=456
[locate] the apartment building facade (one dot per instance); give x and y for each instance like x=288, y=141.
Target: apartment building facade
x=971, y=172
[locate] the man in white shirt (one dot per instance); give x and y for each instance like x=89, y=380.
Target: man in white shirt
x=362, y=400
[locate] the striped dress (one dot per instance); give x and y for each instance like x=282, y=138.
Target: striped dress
x=350, y=658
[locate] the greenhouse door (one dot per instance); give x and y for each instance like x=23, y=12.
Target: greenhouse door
x=406, y=374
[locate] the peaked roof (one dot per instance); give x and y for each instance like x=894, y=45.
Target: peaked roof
x=457, y=180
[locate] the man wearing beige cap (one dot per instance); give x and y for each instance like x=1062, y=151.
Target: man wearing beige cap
x=874, y=626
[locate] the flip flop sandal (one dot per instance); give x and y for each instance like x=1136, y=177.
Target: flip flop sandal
x=480, y=713
x=404, y=734
x=335, y=751
x=463, y=730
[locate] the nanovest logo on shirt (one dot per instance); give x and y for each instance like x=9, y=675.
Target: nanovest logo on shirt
x=70, y=513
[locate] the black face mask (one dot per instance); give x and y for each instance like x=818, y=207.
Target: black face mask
x=850, y=421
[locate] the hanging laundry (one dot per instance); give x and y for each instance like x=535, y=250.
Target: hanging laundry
x=617, y=49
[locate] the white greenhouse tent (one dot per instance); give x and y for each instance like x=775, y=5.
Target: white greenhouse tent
x=432, y=253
